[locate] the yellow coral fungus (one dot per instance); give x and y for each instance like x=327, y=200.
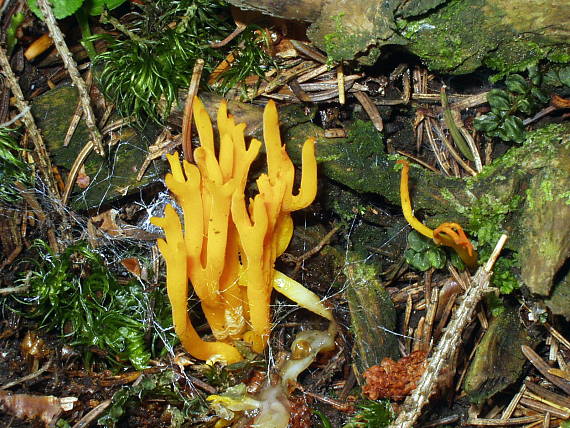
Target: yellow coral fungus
x=229, y=246
x=448, y=234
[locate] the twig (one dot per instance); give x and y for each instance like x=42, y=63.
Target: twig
x=93, y=414
x=42, y=153
x=71, y=67
x=187, y=118
x=340, y=82
x=502, y=422
x=309, y=51
x=549, y=395
x=543, y=368
x=13, y=290
x=74, y=171
x=413, y=405
x=299, y=260
x=77, y=114
x=508, y=412
x=370, y=109
x=28, y=377
x=15, y=118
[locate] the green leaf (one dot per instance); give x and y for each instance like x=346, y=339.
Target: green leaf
x=540, y=95
x=534, y=74
x=61, y=8
x=499, y=100
x=512, y=129
x=436, y=258
x=456, y=261
x=564, y=76
x=516, y=83
x=417, y=242
x=418, y=261
x=524, y=105
x=96, y=7
x=486, y=123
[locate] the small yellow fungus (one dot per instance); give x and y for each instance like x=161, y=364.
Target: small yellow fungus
x=448, y=234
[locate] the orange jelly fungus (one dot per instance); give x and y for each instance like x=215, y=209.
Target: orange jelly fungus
x=227, y=246
x=448, y=234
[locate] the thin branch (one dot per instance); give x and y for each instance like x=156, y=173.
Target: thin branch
x=413, y=405
x=71, y=67
x=35, y=135
x=28, y=377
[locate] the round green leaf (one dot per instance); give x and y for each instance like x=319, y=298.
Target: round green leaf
x=534, y=74
x=61, y=8
x=516, y=83
x=525, y=105
x=96, y=7
x=540, y=95
x=486, y=123
x=418, y=261
x=499, y=100
x=436, y=258
x=512, y=129
x=564, y=75
x=417, y=242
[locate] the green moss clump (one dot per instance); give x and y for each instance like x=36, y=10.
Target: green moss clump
x=446, y=39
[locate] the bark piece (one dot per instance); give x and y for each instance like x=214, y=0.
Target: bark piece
x=498, y=361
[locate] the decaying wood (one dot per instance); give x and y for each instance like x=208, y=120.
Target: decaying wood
x=71, y=67
x=413, y=405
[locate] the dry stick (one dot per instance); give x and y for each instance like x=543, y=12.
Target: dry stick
x=93, y=414
x=340, y=81
x=74, y=171
x=41, y=150
x=187, y=118
x=371, y=110
x=77, y=114
x=71, y=67
x=508, y=412
x=543, y=368
x=502, y=422
x=413, y=405
x=26, y=378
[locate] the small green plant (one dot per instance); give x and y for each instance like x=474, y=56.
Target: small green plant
x=422, y=254
x=75, y=294
x=164, y=386
x=372, y=414
x=249, y=59
x=12, y=168
x=143, y=72
x=558, y=76
x=522, y=97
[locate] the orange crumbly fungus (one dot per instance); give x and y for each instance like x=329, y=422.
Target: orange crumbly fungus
x=394, y=379
x=448, y=234
x=227, y=246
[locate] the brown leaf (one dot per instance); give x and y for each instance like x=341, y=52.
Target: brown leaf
x=82, y=179
x=106, y=222
x=559, y=102
x=132, y=265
